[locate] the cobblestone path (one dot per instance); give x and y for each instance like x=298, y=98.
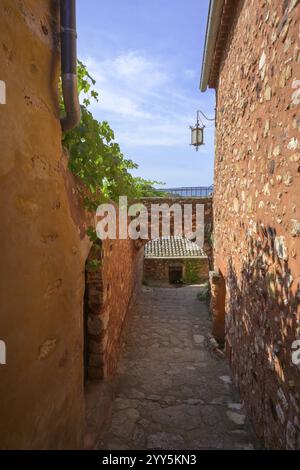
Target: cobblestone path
x=172, y=392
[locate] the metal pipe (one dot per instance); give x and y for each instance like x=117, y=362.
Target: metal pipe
x=69, y=65
x=205, y=117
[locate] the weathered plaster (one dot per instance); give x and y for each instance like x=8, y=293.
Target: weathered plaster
x=43, y=243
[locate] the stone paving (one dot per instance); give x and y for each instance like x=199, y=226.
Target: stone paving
x=172, y=392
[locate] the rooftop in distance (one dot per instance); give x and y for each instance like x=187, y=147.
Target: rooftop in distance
x=173, y=247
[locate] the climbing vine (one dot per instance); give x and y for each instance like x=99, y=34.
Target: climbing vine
x=96, y=159
x=191, y=272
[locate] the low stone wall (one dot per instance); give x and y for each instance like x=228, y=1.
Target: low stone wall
x=111, y=290
x=194, y=270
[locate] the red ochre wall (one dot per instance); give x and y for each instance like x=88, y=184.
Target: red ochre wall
x=257, y=212
x=43, y=242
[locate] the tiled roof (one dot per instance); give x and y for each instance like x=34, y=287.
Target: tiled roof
x=173, y=247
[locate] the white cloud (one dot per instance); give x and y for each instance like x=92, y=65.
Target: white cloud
x=119, y=104
x=140, y=98
x=190, y=74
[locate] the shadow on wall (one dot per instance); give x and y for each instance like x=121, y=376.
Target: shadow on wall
x=113, y=279
x=94, y=324
x=262, y=322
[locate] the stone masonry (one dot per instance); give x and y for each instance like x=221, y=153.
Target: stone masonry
x=257, y=210
x=111, y=290
x=194, y=271
x=163, y=255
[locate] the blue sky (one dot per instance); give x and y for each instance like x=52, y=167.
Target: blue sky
x=146, y=56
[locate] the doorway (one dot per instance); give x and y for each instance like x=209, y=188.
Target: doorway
x=175, y=274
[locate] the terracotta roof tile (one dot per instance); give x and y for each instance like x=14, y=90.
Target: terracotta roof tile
x=173, y=247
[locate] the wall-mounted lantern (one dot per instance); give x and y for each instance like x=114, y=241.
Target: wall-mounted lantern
x=197, y=131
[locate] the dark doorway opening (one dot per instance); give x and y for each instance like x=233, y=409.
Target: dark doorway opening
x=175, y=274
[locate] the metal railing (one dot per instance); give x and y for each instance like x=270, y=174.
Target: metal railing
x=198, y=191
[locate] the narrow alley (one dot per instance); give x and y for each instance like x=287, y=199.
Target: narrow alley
x=150, y=183
x=171, y=390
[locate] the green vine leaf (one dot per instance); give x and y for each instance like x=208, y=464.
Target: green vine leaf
x=96, y=159
x=93, y=265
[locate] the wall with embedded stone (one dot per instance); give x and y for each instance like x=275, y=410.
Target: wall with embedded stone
x=257, y=211
x=43, y=242
x=111, y=291
x=194, y=270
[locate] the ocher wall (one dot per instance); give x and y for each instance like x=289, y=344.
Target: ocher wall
x=122, y=274
x=43, y=248
x=257, y=211
x=111, y=293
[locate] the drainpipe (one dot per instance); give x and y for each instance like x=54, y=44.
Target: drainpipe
x=69, y=65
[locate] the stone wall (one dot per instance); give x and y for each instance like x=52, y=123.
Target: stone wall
x=194, y=270
x=43, y=243
x=111, y=291
x=257, y=211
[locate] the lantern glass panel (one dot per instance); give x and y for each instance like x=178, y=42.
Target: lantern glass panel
x=197, y=136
